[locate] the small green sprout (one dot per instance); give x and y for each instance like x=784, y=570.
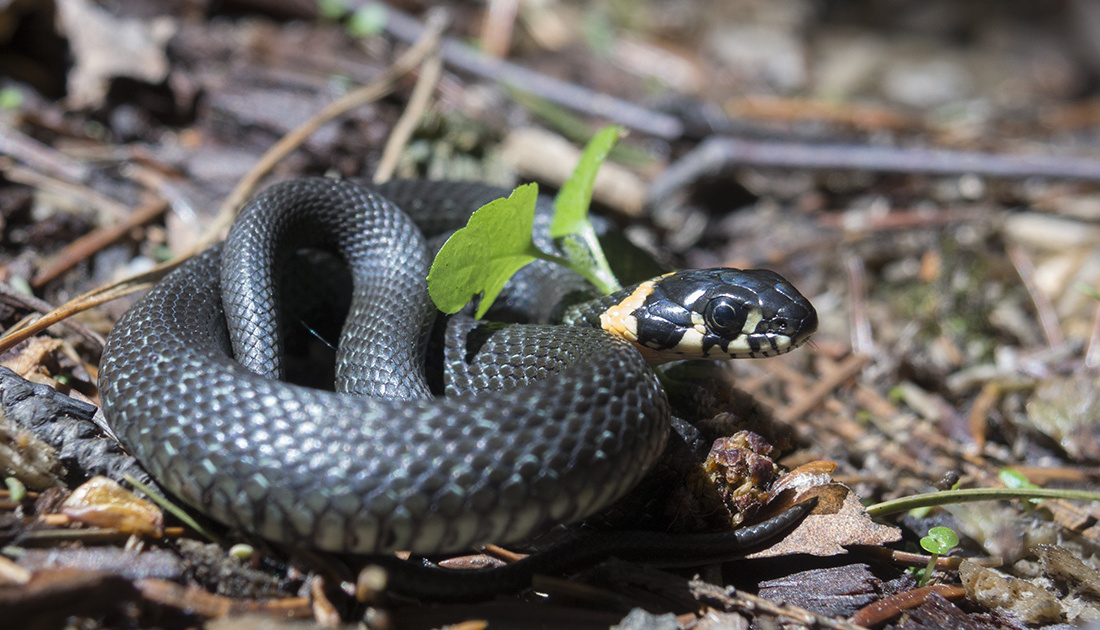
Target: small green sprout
x=11, y=98
x=939, y=541
x=332, y=9
x=570, y=223
x=1013, y=478
x=367, y=21
x=16, y=490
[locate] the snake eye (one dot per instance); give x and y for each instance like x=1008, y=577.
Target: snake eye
x=723, y=315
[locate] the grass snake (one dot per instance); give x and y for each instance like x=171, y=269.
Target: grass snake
x=573, y=418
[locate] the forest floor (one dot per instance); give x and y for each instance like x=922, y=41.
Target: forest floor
x=926, y=173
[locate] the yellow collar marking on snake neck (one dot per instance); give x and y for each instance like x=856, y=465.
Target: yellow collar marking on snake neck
x=619, y=319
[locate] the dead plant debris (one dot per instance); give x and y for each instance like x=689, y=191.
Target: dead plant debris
x=925, y=173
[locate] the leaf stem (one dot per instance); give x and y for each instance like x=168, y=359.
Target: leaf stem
x=599, y=276
x=905, y=504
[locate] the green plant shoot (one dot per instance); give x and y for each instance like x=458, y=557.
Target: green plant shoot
x=480, y=258
x=939, y=541
x=571, y=222
x=1013, y=478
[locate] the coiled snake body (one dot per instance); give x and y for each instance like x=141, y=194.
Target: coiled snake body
x=575, y=419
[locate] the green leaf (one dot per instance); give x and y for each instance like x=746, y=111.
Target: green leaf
x=497, y=241
x=16, y=490
x=571, y=210
x=1013, y=478
x=332, y=9
x=481, y=257
x=367, y=21
x=11, y=98
x=571, y=204
x=1087, y=290
x=939, y=540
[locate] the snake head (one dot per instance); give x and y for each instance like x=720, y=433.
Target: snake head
x=722, y=313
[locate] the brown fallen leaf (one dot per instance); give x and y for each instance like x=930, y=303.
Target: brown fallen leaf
x=106, y=46
x=833, y=591
x=101, y=502
x=37, y=352
x=838, y=520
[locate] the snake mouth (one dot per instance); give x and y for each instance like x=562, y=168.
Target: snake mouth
x=795, y=323
x=806, y=328
x=766, y=341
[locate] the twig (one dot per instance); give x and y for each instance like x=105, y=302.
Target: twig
x=717, y=154
x=457, y=55
x=92, y=242
x=383, y=85
x=91, y=299
x=70, y=189
x=427, y=40
x=885, y=609
x=1044, y=308
x=976, y=419
x=430, y=72
x=731, y=598
x=812, y=398
x=31, y=303
x=862, y=341
x=43, y=158
x=969, y=495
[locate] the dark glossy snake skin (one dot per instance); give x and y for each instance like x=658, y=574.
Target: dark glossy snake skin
x=579, y=420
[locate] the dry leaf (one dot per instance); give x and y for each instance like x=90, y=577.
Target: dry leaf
x=101, y=502
x=105, y=46
x=838, y=520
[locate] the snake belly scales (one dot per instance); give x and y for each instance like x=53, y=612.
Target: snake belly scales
x=189, y=385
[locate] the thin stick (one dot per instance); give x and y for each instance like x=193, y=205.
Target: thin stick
x=717, y=154
x=43, y=158
x=862, y=340
x=382, y=86
x=373, y=91
x=15, y=299
x=25, y=330
x=846, y=371
x=92, y=242
x=43, y=181
x=460, y=56
x=1044, y=308
x=421, y=96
